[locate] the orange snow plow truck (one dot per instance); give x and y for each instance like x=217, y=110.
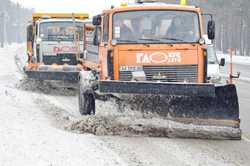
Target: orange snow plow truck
x=156, y=53
x=54, y=46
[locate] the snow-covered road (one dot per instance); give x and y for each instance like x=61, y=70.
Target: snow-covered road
x=29, y=134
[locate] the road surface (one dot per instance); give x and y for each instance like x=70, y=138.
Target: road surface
x=243, y=88
x=31, y=136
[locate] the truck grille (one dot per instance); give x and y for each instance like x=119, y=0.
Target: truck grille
x=178, y=73
x=60, y=59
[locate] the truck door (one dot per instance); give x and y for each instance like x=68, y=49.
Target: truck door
x=105, y=56
x=30, y=40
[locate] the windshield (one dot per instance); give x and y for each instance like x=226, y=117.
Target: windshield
x=156, y=27
x=60, y=31
x=211, y=55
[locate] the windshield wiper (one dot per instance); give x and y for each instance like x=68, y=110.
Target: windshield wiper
x=149, y=39
x=126, y=40
x=174, y=39
x=60, y=37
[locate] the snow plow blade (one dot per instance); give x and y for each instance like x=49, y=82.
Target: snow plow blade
x=198, y=104
x=67, y=76
x=130, y=87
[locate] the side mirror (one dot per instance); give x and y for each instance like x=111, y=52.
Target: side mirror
x=96, y=36
x=30, y=36
x=222, y=62
x=211, y=30
x=97, y=20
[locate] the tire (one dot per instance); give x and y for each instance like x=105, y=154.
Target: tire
x=86, y=101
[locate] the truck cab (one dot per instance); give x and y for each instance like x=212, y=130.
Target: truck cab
x=55, y=43
x=55, y=46
x=153, y=41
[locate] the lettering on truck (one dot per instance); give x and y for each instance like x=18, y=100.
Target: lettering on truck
x=64, y=49
x=158, y=58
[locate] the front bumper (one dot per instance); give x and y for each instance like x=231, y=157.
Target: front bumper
x=53, y=75
x=157, y=88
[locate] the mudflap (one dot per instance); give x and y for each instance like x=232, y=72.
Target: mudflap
x=66, y=76
x=215, y=106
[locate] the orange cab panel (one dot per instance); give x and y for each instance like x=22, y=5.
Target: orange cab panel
x=170, y=63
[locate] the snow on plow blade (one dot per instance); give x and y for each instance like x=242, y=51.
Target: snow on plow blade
x=68, y=76
x=198, y=104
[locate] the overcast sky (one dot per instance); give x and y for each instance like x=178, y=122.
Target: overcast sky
x=90, y=6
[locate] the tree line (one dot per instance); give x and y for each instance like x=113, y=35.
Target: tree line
x=232, y=23
x=13, y=21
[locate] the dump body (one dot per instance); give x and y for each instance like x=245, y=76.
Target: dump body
x=55, y=45
x=157, y=54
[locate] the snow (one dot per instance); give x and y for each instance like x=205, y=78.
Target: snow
x=27, y=136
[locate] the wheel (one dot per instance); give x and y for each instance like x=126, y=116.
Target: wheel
x=86, y=101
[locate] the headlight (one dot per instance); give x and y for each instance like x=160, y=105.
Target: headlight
x=138, y=76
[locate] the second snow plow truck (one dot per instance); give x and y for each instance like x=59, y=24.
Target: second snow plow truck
x=156, y=54
x=54, y=46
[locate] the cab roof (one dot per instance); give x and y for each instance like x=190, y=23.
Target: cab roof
x=80, y=16
x=153, y=6
x=61, y=20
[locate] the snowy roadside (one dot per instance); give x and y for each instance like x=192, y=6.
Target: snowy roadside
x=27, y=136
